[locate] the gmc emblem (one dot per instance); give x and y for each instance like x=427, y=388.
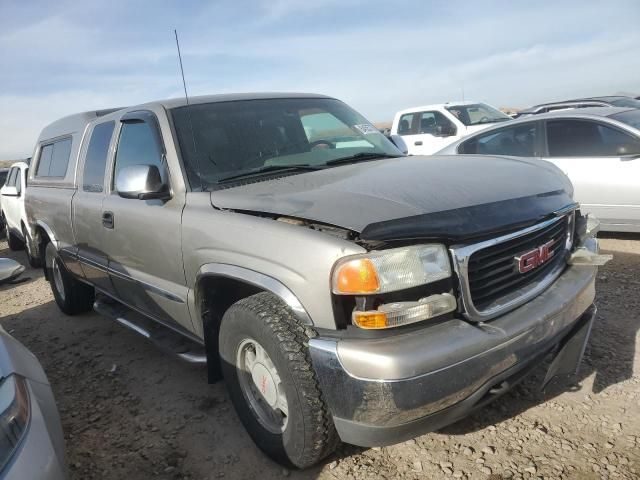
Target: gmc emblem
x=534, y=258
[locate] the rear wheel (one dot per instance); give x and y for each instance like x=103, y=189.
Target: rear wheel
x=32, y=257
x=71, y=295
x=13, y=240
x=273, y=387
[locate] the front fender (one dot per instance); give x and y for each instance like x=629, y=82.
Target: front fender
x=254, y=278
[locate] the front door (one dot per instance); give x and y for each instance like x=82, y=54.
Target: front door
x=144, y=242
x=427, y=132
x=601, y=161
x=88, y=223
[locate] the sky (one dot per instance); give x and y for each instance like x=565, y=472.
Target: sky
x=63, y=57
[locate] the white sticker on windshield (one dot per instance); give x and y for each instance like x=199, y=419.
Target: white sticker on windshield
x=366, y=128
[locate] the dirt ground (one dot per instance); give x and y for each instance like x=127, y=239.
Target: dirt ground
x=131, y=412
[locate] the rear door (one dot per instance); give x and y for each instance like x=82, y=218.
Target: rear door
x=601, y=161
x=87, y=207
x=144, y=240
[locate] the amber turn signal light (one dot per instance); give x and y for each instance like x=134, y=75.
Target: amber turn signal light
x=356, y=277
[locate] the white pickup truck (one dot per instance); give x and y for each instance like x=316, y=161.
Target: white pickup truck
x=430, y=128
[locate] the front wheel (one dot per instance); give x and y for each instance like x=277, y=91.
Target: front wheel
x=271, y=382
x=71, y=295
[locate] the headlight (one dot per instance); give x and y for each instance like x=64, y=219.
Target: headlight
x=14, y=415
x=390, y=270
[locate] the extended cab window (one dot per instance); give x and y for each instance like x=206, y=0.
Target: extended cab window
x=519, y=141
x=583, y=138
x=138, y=146
x=54, y=159
x=96, y=158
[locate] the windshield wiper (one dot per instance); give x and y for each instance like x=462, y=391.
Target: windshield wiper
x=268, y=169
x=360, y=156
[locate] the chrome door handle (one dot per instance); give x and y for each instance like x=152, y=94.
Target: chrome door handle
x=418, y=143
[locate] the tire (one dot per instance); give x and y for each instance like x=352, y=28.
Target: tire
x=71, y=295
x=34, y=261
x=14, y=242
x=307, y=434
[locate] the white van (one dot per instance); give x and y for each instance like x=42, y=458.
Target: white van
x=430, y=128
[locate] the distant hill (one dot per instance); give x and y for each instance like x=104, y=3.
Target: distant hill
x=8, y=163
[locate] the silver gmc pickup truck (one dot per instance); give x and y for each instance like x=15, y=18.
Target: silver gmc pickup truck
x=342, y=289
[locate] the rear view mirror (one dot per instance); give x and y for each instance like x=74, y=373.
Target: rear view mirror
x=142, y=182
x=399, y=143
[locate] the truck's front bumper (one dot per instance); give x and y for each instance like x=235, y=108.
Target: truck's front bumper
x=383, y=391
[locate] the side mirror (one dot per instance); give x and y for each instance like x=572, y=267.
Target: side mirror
x=10, y=191
x=445, y=131
x=142, y=182
x=399, y=143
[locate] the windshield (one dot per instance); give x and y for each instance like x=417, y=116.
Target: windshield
x=631, y=117
x=224, y=140
x=477, y=114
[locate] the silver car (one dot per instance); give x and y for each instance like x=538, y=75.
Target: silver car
x=31, y=438
x=598, y=148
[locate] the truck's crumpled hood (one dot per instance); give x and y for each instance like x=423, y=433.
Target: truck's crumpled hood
x=381, y=194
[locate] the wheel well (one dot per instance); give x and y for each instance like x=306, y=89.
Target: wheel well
x=215, y=294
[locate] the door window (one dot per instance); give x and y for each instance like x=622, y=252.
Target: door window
x=435, y=123
x=18, y=182
x=519, y=141
x=96, y=157
x=11, y=181
x=582, y=138
x=406, y=126
x=138, y=146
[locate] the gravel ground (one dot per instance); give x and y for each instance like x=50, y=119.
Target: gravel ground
x=130, y=411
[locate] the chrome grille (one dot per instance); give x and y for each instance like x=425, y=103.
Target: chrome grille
x=488, y=271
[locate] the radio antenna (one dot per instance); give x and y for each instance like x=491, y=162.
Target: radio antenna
x=184, y=84
x=186, y=96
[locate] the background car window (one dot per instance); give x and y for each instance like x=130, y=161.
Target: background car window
x=435, y=123
x=405, y=126
x=45, y=161
x=96, y=157
x=138, y=146
x=518, y=141
x=11, y=182
x=18, y=181
x=580, y=138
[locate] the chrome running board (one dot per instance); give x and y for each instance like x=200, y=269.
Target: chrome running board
x=164, y=338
